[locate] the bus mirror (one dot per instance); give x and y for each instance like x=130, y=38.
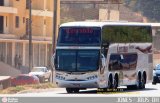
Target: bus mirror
x=103, y=60
x=122, y=57
x=105, y=45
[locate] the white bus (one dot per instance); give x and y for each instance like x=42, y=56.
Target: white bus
x=103, y=55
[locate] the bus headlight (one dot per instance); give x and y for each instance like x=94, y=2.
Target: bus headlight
x=92, y=77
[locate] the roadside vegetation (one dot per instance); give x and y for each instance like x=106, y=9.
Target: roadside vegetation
x=14, y=90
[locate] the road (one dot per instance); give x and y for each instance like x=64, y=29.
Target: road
x=151, y=90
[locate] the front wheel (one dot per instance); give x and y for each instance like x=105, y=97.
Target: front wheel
x=153, y=83
x=72, y=90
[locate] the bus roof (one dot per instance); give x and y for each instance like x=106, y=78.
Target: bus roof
x=155, y=24
x=100, y=24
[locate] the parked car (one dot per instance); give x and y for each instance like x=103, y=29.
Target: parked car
x=24, y=79
x=156, y=74
x=42, y=73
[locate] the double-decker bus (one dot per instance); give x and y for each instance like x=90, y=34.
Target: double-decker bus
x=103, y=55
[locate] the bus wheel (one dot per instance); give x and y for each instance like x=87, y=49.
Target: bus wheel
x=139, y=82
x=154, y=83
x=115, y=83
x=76, y=90
x=109, y=84
x=72, y=90
x=142, y=86
x=131, y=87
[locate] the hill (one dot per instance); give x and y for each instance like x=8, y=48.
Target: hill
x=148, y=8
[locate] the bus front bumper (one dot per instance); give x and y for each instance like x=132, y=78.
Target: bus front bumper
x=77, y=84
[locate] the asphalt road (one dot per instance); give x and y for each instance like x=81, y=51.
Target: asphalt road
x=151, y=90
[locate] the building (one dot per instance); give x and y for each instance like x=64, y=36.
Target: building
x=14, y=24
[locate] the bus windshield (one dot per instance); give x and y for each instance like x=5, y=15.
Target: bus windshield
x=79, y=36
x=77, y=60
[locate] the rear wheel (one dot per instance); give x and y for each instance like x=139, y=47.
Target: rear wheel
x=154, y=83
x=131, y=87
x=115, y=83
x=109, y=84
x=143, y=82
x=138, y=84
x=72, y=90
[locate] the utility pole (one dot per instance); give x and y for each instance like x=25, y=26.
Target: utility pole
x=54, y=24
x=108, y=17
x=55, y=4
x=30, y=36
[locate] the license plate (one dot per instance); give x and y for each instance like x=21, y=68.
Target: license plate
x=76, y=84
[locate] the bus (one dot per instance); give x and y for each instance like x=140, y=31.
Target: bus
x=103, y=55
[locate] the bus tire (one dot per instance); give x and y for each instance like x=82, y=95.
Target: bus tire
x=115, y=82
x=154, y=83
x=110, y=84
x=131, y=87
x=76, y=90
x=72, y=90
x=143, y=82
x=139, y=82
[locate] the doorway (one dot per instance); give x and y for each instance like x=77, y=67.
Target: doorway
x=1, y=24
x=1, y=2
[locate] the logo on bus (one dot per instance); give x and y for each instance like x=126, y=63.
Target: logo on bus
x=122, y=49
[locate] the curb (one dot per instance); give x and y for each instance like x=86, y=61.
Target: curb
x=36, y=91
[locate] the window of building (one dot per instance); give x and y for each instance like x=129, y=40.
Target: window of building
x=1, y=24
x=6, y=21
x=27, y=4
x=24, y=19
x=17, y=22
x=1, y=2
x=27, y=26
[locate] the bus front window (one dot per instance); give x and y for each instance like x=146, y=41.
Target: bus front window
x=77, y=60
x=79, y=36
x=87, y=60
